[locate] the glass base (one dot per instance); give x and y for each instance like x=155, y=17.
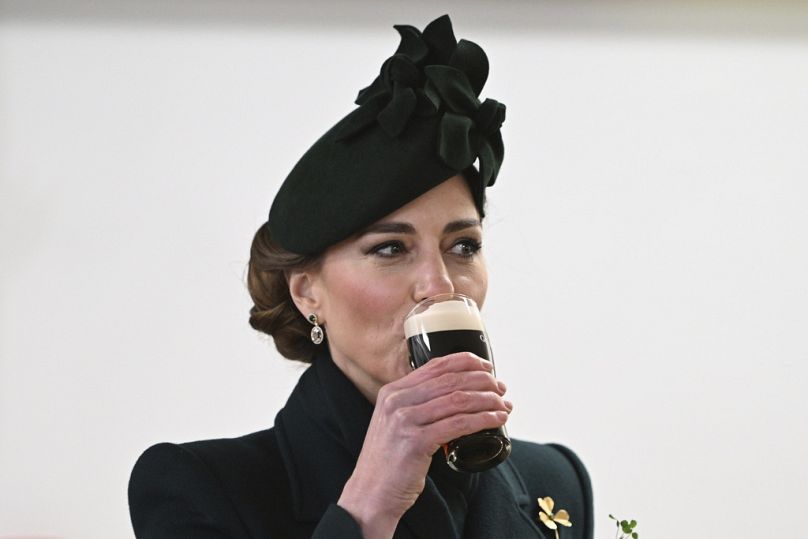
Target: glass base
x=478, y=452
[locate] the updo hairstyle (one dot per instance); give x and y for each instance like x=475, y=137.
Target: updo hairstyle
x=273, y=311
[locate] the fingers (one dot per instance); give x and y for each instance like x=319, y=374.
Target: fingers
x=457, y=413
x=459, y=362
x=450, y=396
x=458, y=403
x=456, y=372
x=412, y=433
x=454, y=427
x=433, y=388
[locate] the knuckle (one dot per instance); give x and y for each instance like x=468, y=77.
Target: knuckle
x=400, y=416
x=460, y=423
x=496, y=402
x=390, y=402
x=450, y=381
x=489, y=379
x=439, y=363
x=484, y=381
x=461, y=399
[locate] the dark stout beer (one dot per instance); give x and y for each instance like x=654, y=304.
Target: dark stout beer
x=441, y=328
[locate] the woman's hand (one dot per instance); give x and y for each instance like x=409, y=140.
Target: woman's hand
x=449, y=397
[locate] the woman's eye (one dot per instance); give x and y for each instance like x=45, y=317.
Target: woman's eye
x=388, y=249
x=466, y=247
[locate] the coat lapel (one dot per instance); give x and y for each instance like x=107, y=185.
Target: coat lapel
x=428, y=518
x=320, y=433
x=501, y=507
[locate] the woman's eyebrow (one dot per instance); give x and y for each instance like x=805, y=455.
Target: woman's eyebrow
x=461, y=224
x=392, y=227
x=395, y=227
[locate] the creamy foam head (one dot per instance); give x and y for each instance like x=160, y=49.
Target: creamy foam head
x=444, y=316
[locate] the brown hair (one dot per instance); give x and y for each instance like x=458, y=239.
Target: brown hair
x=273, y=311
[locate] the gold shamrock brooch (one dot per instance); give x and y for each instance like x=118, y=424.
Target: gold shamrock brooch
x=550, y=519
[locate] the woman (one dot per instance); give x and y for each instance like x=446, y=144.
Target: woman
x=383, y=211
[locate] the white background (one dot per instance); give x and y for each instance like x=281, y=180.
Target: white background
x=646, y=240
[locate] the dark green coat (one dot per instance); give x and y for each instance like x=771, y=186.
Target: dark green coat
x=284, y=482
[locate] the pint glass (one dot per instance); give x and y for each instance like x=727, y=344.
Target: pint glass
x=446, y=324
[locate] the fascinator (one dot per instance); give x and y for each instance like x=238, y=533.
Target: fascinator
x=419, y=123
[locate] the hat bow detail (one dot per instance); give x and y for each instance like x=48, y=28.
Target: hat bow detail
x=432, y=73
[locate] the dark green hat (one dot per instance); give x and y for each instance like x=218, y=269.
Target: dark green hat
x=417, y=125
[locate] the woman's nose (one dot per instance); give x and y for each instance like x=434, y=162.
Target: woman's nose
x=432, y=278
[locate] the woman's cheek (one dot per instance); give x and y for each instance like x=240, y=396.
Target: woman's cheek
x=375, y=299
x=473, y=283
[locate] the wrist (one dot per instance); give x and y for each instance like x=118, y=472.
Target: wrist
x=377, y=520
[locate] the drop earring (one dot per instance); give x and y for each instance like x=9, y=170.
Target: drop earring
x=316, y=331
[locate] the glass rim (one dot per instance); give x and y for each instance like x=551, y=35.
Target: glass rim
x=442, y=297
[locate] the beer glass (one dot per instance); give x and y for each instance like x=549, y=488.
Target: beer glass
x=446, y=324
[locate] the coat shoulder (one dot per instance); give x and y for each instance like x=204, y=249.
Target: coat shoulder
x=228, y=487
x=556, y=471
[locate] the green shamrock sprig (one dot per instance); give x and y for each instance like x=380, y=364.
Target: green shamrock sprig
x=625, y=528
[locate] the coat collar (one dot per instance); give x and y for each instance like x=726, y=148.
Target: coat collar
x=320, y=433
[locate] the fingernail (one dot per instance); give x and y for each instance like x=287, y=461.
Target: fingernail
x=502, y=387
x=508, y=405
x=487, y=365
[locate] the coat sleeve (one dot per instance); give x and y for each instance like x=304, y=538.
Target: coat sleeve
x=337, y=523
x=173, y=493
x=585, y=485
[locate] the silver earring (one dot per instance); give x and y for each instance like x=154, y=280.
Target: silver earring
x=316, y=331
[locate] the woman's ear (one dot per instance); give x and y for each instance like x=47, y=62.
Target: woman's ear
x=304, y=292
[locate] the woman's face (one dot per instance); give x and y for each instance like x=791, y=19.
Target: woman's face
x=368, y=283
